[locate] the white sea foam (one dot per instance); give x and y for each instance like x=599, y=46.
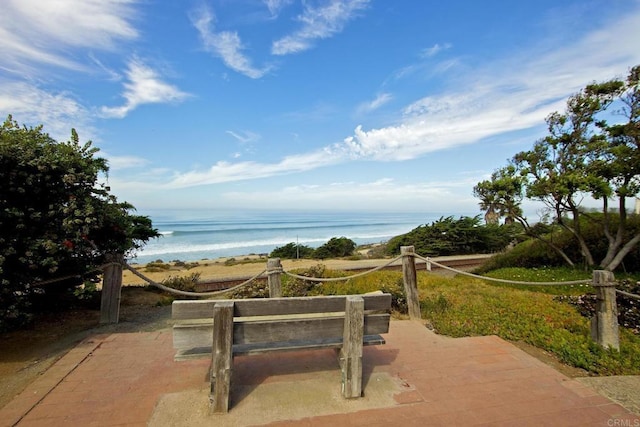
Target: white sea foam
x=193, y=235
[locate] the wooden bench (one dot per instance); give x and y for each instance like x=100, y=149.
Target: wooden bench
x=221, y=329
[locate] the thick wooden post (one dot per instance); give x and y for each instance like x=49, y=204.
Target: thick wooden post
x=111, y=287
x=410, y=281
x=604, y=325
x=274, y=270
x=221, y=356
x=351, y=354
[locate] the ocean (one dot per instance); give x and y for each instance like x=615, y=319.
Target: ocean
x=199, y=234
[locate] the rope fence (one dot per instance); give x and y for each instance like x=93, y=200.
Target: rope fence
x=513, y=282
x=604, y=325
x=188, y=293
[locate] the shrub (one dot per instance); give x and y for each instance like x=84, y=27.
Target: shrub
x=448, y=236
x=292, y=251
x=336, y=247
x=182, y=283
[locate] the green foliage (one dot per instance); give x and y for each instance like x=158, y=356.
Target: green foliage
x=56, y=220
x=182, y=283
x=461, y=307
x=292, y=251
x=336, y=247
x=448, y=236
x=582, y=155
x=156, y=266
x=466, y=307
x=535, y=253
x=385, y=281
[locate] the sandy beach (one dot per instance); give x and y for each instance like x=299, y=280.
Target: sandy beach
x=242, y=267
x=246, y=266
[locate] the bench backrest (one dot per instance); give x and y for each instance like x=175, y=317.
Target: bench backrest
x=276, y=319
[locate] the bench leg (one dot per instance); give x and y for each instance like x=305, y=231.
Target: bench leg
x=222, y=356
x=351, y=353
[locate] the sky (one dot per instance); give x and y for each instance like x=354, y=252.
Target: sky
x=372, y=105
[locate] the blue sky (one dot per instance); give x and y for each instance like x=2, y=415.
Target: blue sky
x=316, y=104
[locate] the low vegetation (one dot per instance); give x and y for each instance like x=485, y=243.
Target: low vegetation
x=463, y=306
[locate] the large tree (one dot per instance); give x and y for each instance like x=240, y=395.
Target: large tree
x=56, y=219
x=592, y=149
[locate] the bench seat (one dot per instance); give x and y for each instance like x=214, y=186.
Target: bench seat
x=220, y=329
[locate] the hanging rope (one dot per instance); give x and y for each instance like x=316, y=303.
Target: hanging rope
x=72, y=276
x=515, y=282
x=627, y=294
x=338, y=279
x=187, y=293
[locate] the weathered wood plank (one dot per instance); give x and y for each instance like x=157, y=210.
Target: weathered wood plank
x=261, y=348
x=248, y=332
x=222, y=357
x=182, y=310
x=351, y=353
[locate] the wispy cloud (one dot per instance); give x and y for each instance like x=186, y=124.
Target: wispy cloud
x=501, y=97
x=34, y=32
x=228, y=172
x=318, y=23
x=225, y=44
x=125, y=162
x=364, y=195
x=59, y=111
x=244, y=137
x=435, y=49
x=143, y=86
x=379, y=101
x=275, y=6
x=514, y=94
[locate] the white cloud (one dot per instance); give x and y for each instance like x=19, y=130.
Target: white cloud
x=229, y=172
x=374, y=104
x=384, y=192
x=34, y=32
x=275, y=6
x=515, y=94
x=124, y=162
x=59, y=111
x=244, y=137
x=512, y=95
x=435, y=49
x=225, y=44
x=318, y=23
x=143, y=86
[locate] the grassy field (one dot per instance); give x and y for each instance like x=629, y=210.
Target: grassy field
x=463, y=306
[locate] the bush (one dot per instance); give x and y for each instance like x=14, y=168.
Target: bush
x=292, y=251
x=336, y=247
x=182, y=283
x=448, y=236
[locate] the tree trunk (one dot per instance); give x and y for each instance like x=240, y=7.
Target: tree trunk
x=615, y=262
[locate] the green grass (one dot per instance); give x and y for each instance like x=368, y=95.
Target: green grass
x=463, y=306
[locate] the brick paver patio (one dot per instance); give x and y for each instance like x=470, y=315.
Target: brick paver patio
x=118, y=380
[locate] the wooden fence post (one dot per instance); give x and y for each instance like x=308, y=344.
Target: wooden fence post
x=111, y=287
x=604, y=325
x=410, y=281
x=274, y=270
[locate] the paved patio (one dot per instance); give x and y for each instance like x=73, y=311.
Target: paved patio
x=417, y=378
